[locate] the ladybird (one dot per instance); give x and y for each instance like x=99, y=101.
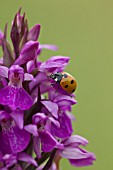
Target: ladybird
x=65, y=80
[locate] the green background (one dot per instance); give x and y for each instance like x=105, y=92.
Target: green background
x=83, y=30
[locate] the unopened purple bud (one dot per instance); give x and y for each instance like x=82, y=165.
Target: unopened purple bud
x=8, y=58
x=14, y=32
x=20, y=20
x=1, y=37
x=17, y=31
x=34, y=33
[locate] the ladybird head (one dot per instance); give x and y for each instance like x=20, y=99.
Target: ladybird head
x=52, y=76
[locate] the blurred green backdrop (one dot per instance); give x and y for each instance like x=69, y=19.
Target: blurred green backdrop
x=83, y=30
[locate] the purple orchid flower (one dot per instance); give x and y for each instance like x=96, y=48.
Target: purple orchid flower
x=11, y=160
x=14, y=95
x=41, y=132
x=76, y=155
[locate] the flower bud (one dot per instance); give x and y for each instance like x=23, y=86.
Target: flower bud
x=34, y=33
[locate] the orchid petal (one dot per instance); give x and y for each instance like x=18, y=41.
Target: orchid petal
x=4, y=115
x=36, y=144
x=15, y=98
x=83, y=162
x=76, y=139
x=28, y=53
x=18, y=116
x=52, y=107
x=65, y=129
x=74, y=153
x=27, y=158
x=28, y=77
x=39, y=117
x=48, y=141
x=34, y=32
x=13, y=139
x=3, y=71
x=48, y=47
x=31, y=129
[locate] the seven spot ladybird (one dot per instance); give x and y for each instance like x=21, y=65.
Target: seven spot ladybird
x=66, y=81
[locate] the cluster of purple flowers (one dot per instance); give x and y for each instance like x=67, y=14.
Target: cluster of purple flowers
x=35, y=121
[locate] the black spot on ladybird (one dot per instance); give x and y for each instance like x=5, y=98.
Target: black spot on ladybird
x=66, y=86
x=72, y=81
x=73, y=90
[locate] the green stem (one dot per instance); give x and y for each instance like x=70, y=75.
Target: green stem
x=50, y=161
